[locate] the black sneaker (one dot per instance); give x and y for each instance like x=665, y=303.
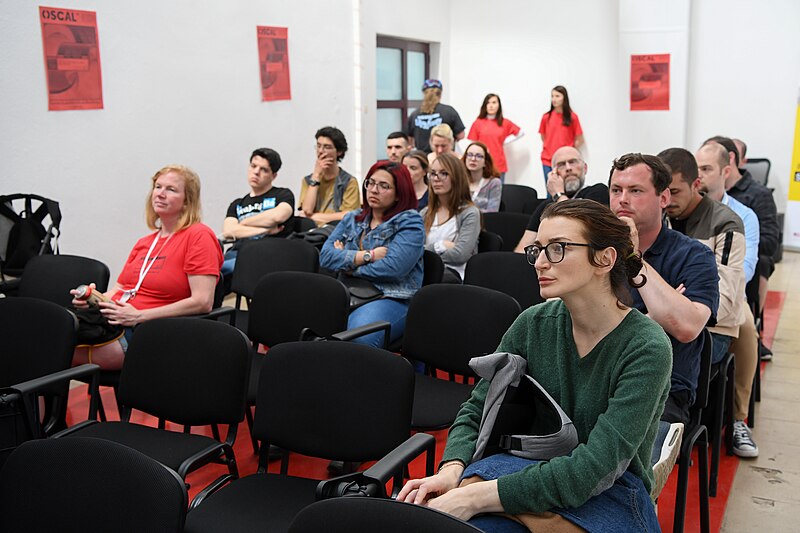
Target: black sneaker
x=743, y=444
x=764, y=353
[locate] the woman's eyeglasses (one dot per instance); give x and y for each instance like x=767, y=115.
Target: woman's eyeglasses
x=553, y=251
x=475, y=156
x=382, y=186
x=438, y=176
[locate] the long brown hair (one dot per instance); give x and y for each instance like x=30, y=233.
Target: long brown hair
x=489, y=170
x=498, y=117
x=459, y=196
x=566, y=110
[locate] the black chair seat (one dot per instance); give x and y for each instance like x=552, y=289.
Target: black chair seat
x=437, y=402
x=256, y=503
x=169, y=448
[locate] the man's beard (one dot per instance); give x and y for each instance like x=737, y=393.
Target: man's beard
x=572, y=186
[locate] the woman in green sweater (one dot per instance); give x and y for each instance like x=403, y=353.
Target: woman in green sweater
x=608, y=367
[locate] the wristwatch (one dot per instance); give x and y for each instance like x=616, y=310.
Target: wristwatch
x=313, y=183
x=367, y=256
x=557, y=195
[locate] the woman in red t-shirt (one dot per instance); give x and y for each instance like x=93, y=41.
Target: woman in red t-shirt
x=170, y=272
x=559, y=127
x=493, y=130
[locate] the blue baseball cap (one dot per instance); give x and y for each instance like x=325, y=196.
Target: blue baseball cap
x=431, y=84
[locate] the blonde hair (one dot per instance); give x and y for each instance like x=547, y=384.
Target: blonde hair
x=444, y=131
x=191, y=202
x=431, y=97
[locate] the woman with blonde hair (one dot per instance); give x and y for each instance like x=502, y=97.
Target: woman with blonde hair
x=441, y=141
x=430, y=114
x=452, y=222
x=172, y=271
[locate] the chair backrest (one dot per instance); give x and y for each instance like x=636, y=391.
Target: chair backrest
x=186, y=370
x=50, y=277
x=432, y=268
x=286, y=302
x=262, y=256
x=519, y=198
x=510, y=226
x=344, y=515
x=38, y=338
x=302, y=224
x=448, y=324
x=336, y=400
x=489, y=242
x=506, y=272
x=81, y=484
x=704, y=379
x=759, y=168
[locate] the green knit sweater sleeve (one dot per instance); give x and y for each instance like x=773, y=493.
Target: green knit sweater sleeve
x=630, y=381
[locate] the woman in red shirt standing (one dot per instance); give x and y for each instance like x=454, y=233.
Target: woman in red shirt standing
x=494, y=131
x=559, y=127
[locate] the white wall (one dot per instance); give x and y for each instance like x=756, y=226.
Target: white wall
x=181, y=85
x=520, y=50
x=744, y=79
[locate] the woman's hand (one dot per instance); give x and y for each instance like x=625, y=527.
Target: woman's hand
x=379, y=253
x=120, y=314
x=339, y=245
x=419, y=491
x=448, y=244
x=80, y=304
x=467, y=501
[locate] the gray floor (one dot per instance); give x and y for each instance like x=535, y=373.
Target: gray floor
x=765, y=495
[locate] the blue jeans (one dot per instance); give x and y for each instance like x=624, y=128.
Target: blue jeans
x=229, y=262
x=720, y=347
x=392, y=311
x=624, y=507
x=547, y=169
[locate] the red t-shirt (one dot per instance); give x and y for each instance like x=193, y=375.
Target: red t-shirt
x=488, y=132
x=557, y=135
x=192, y=251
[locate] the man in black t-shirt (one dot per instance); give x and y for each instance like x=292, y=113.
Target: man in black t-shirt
x=565, y=181
x=264, y=211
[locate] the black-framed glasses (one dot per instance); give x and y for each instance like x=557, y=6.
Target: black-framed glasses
x=553, y=251
x=438, y=176
x=474, y=155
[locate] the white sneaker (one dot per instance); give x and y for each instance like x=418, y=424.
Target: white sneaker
x=666, y=461
x=743, y=444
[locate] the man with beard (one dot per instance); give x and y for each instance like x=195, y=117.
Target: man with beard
x=565, y=181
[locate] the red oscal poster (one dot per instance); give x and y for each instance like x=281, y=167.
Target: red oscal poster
x=71, y=59
x=650, y=82
x=273, y=63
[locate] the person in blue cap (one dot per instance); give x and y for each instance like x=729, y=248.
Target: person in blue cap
x=429, y=115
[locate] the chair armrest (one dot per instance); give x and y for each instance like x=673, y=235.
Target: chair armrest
x=210, y=489
x=372, y=482
x=219, y=312
x=366, y=329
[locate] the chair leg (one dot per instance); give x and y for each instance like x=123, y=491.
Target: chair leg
x=730, y=401
x=681, y=490
x=248, y=414
x=703, y=475
x=755, y=391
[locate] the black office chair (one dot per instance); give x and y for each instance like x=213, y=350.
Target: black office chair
x=263, y=256
x=38, y=338
x=432, y=268
x=446, y=326
x=489, y=242
x=506, y=272
x=519, y=199
x=88, y=485
x=188, y=371
x=695, y=434
x=510, y=226
x=50, y=277
x=334, y=400
x=346, y=515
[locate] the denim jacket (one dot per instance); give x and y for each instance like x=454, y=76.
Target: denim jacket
x=399, y=273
